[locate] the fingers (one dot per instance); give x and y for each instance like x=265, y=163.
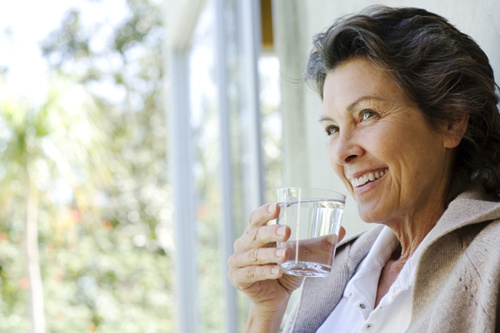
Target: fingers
x=245, y=277
x=256, y=265
x=316, y=249
x=261, y=236
x=252, y=260
x=263, y=214
x=259, y=256
x=258, y=233
x=341, y=234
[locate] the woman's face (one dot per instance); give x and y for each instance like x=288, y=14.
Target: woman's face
x=393, y=163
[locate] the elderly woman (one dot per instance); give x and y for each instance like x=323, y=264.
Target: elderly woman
x=410, y=109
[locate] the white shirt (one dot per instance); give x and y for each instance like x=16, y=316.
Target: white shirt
x=355, y=313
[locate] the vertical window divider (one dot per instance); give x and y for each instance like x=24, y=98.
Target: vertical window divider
x=227, y=229
x=181, y=150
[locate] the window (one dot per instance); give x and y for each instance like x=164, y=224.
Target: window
x=225, y=136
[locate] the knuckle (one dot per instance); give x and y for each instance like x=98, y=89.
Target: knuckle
x=254, y=234
x=251, y=272
x=254, y=217
x=254, y=255
x=257, y=216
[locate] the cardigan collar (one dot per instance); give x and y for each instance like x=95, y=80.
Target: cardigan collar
x=470, y=207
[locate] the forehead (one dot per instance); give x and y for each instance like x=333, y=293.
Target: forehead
x=357, y=79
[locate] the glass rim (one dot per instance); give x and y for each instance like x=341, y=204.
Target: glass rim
x=332, y=194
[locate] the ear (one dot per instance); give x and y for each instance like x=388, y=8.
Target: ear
x=455, y=131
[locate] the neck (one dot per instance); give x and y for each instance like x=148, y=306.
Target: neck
x=411, y=231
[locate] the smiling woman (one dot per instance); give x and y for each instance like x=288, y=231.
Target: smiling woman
x=410, y=109
x=380, y=131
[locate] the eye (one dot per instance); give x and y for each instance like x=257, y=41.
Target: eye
x=367, y=114
x=331, y=130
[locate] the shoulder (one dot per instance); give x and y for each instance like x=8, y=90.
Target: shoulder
x=481, y=242
x=458, y=279
x=462, y=247
x=475, y=205
x=475, y=242
x=471, y=210
x=477, y=230
x=467, y=255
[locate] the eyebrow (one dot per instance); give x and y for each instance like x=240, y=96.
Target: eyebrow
x=353, y=105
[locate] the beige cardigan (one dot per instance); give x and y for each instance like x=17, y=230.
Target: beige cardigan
x=457, y=278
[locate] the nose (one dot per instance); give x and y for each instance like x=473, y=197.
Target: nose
x=346, y=149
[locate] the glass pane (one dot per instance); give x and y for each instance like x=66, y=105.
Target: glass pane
x=205, y=115
x=206, y=168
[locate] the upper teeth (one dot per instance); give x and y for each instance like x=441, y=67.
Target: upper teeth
x=368, y=177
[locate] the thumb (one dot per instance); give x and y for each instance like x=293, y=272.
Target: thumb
x=341, y=233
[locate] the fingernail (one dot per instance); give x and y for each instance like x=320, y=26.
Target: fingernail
x=275, y=270
x=281, y=230
x=271, y=208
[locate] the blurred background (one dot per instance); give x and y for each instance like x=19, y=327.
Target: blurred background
x=136, y=136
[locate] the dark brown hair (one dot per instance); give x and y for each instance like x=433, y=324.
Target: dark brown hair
x=439, y=68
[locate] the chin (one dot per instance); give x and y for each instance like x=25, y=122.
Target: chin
x=369, y=216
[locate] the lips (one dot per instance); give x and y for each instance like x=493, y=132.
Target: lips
x=367, y=177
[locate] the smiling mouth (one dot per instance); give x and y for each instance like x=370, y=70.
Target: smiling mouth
x=366, y=178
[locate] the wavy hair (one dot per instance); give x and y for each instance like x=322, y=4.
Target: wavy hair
x=437, y=67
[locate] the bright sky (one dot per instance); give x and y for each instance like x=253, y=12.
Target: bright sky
x=29, y=22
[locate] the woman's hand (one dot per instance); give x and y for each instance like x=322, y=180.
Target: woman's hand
x=253, y=267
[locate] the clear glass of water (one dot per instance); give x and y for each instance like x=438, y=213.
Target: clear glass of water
x=314, y=217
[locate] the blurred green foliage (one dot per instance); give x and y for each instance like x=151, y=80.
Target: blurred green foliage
x=97, y=155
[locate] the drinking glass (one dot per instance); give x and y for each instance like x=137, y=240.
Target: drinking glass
x=314, y=217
